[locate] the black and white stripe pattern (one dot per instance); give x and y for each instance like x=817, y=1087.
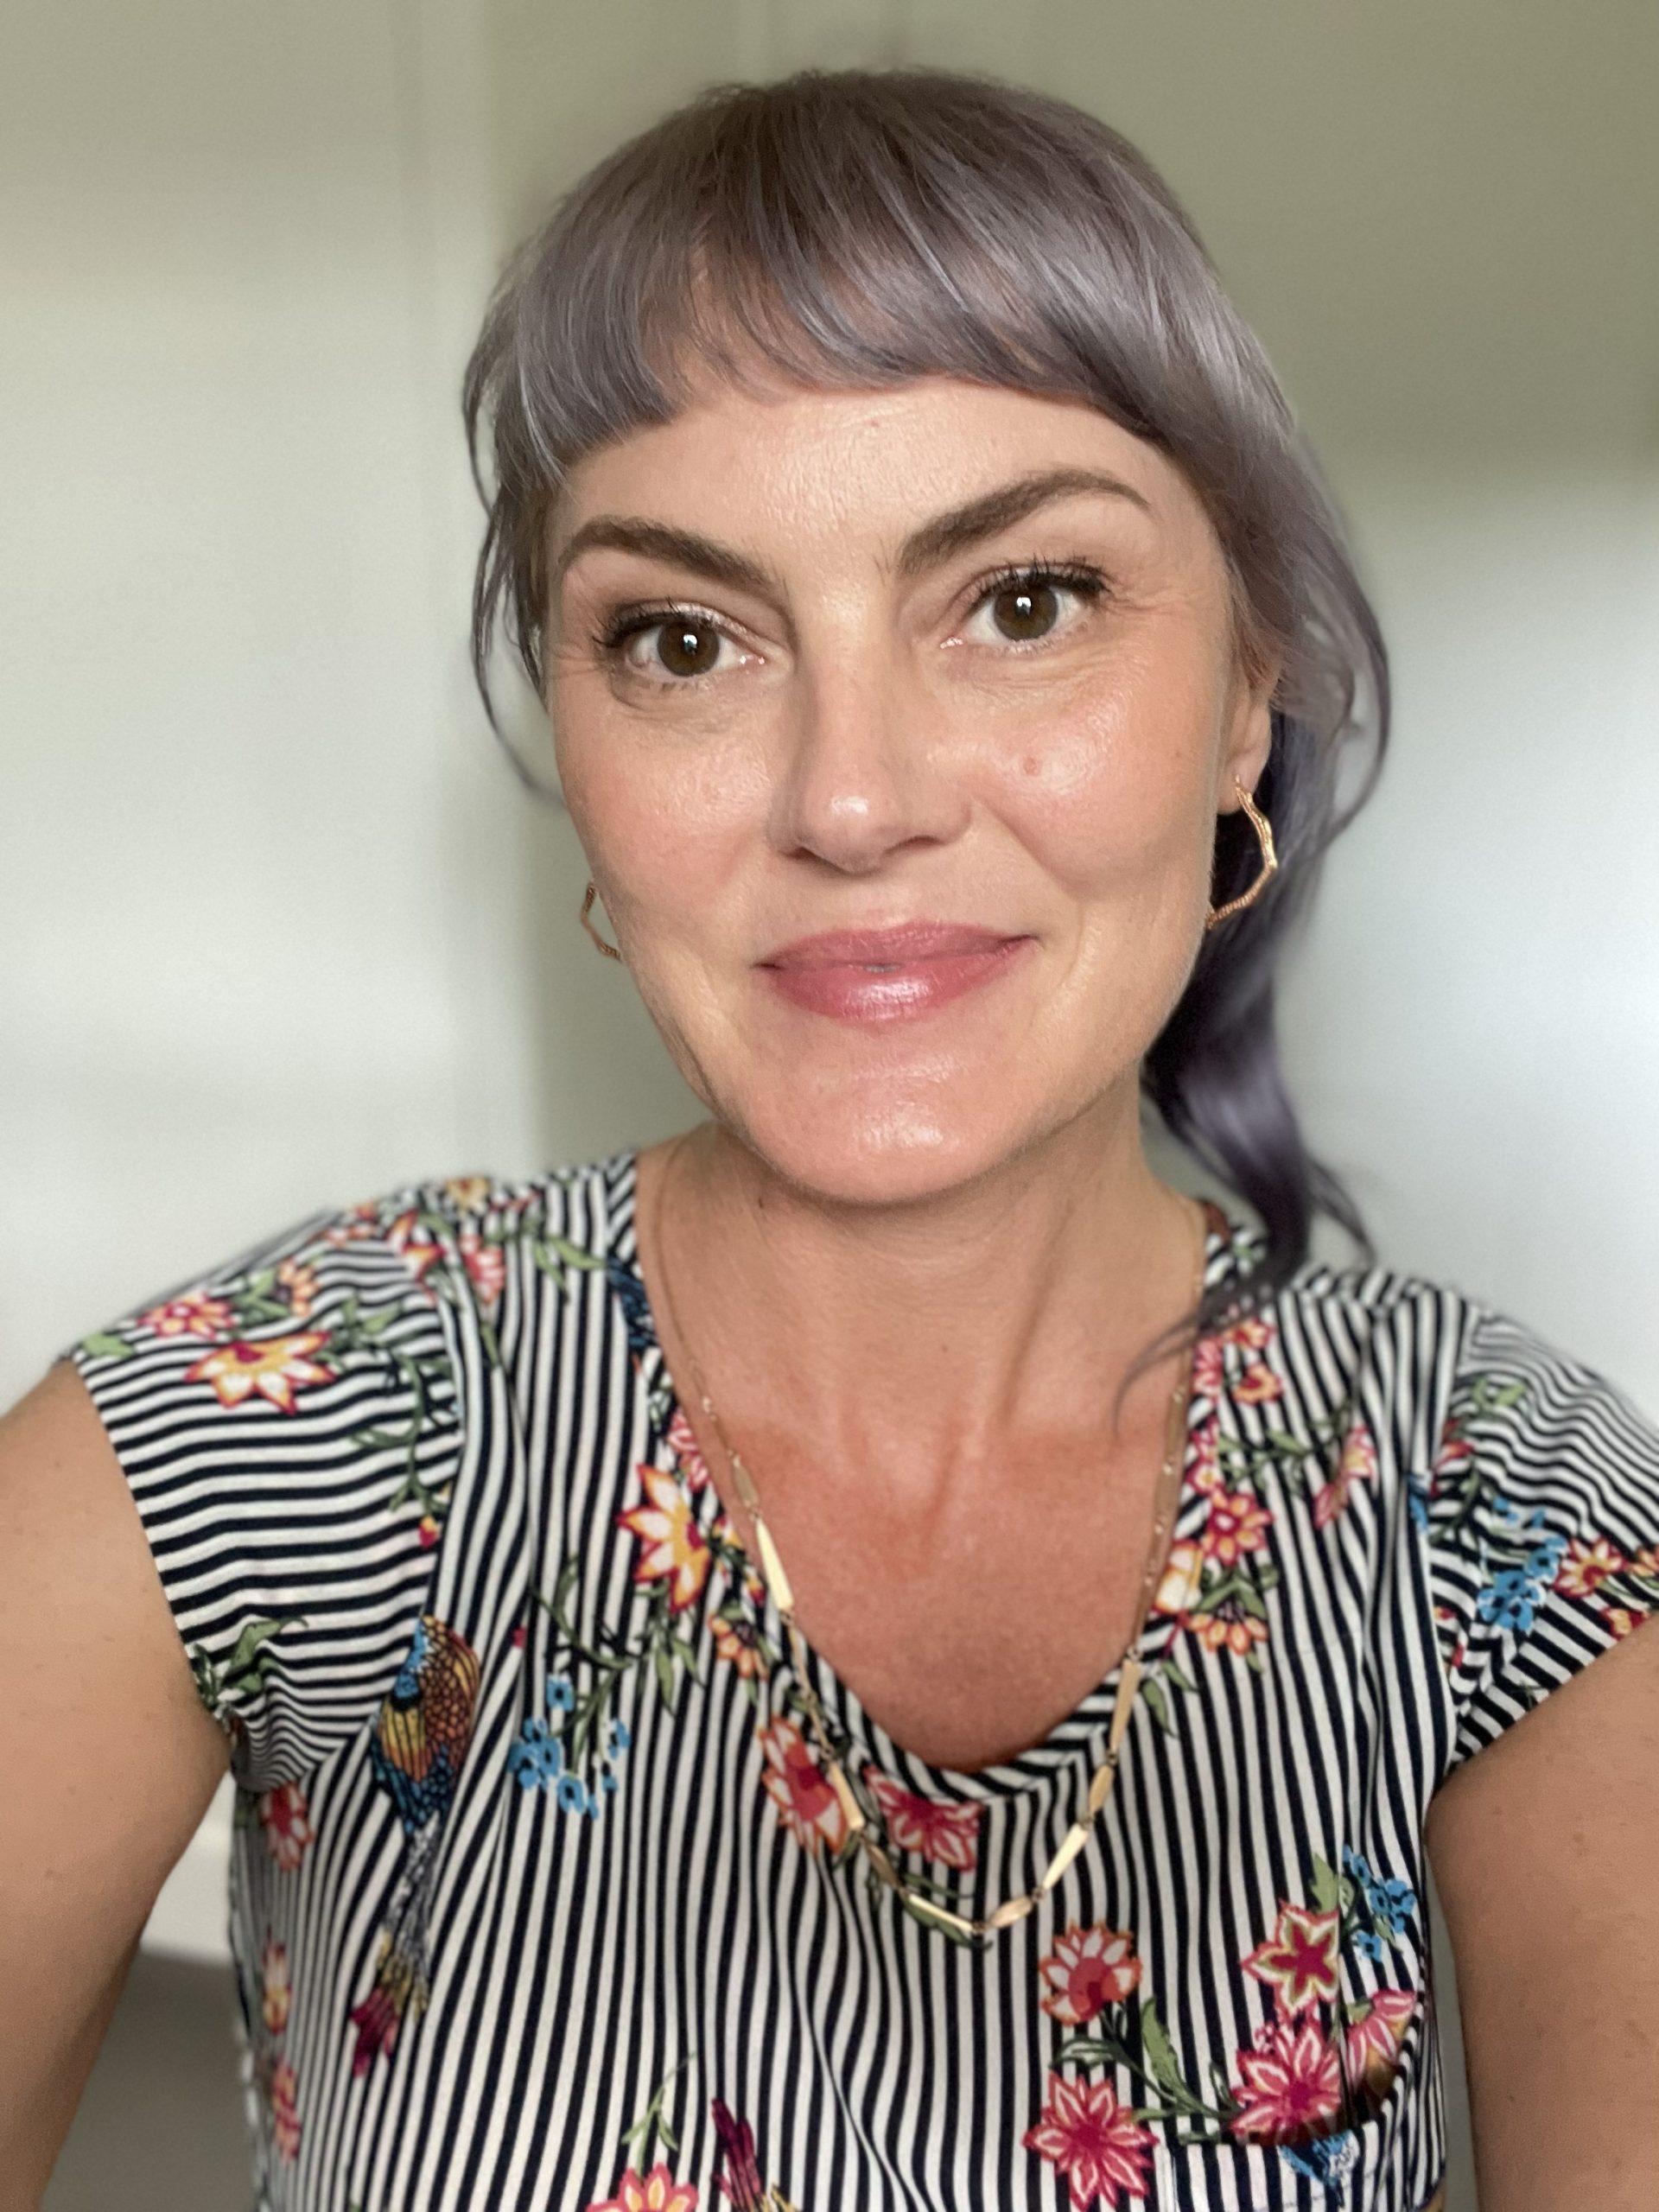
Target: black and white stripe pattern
x=683, y=1935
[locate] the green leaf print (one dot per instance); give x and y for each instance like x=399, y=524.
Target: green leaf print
x=100, y=1346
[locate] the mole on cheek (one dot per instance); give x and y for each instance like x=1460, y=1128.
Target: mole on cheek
x=1030, y=766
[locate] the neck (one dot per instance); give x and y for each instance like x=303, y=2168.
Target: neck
x=919, y=1343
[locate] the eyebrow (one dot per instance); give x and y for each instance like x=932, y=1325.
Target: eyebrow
x=937, y=541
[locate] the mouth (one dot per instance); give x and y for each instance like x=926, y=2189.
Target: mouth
x=891, y=975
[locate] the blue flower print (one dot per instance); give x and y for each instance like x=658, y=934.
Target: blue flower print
x=573, y=1795
x=561, y=1692
x=1417, y=1503
x=1371, y=1946
x=621, y=1738
x=1510, y=1601
x=537, y=1758
x=1544, y=1564
x=1328, y=2159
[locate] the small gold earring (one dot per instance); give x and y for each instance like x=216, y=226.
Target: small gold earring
x=609, y=951
x=1263, y=829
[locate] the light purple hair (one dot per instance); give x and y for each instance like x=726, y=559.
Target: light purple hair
x=862, y=228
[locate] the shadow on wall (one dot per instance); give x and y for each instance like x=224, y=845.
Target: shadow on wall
x=603, y=1078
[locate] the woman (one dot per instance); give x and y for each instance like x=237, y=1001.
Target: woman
x=877, y=1653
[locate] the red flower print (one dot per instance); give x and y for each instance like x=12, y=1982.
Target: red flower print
x=274, y=1995
x=1299, y=1960
x=411, y=1235
x=673, y=1548
x=285, y=2109
x=1586, y=1566
x=1373, y=2041
x=429, y=1532
x=520, y=1636
x=657, y=2192
x=807, y=1804
x=1088, y=1969
x=948, y=1833
x=1209, y=1368
x=1239, y=1633
x=1357, y=1465
x=286, y=1818
x=195, y=1314
x=1205, y=1445
x=1098, y=2144
x=1236, y=1525
x=1644, y=1564
x=738, y=2177
x=694, y=1468
x=1289, y=2088
x=738, y=1644
x=1456, y=1451
x=486, y=1265
x=272, y=1369
x=1257, y=1385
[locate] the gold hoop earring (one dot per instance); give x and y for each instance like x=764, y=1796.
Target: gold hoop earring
x=609, y=951
x=1263, y=829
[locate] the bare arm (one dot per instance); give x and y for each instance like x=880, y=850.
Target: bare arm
x=1545, y=1848
x=108, y=1759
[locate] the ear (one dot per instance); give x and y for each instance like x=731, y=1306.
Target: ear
x=1249, y=728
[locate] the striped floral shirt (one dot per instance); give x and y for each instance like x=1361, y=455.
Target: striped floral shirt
x=539, y=1897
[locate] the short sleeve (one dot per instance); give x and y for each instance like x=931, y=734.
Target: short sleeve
x=288, y=1426
x=1541, y=1516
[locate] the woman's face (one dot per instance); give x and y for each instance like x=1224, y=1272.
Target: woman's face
x=948, y=659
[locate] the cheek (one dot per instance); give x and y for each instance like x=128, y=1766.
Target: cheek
x=1105, y=787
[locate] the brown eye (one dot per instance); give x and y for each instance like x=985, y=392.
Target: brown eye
x=1023, y=611
x=688, y=648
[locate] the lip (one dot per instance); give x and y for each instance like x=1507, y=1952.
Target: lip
x=891, y=974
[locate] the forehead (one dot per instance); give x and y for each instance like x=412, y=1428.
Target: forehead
x=770, y=459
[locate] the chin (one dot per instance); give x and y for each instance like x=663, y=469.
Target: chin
x=883, y=1152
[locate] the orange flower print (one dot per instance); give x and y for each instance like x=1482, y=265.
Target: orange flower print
x=1183, y=1581
x=1622, y=1620
x=299, y=1281
x=1373, y=2041
x=1357, y=1465
x=1586, y=1566
x=195, y=1314
x=673, y=1548
x=275, y=1993
x=1299, y=1960
x=946, y=1834
x=273, y=1368
x=1088, y=1969
x=1221, y=1632
x=485, y=1263
x=1258, y=1385
x=1644, y=1564
x=694, y=1468
x=1096, y=2143
x=754, y=1584
x=1236, y=1525
x=1289, y=2088
x=353, y=1225
x=284, y=2109
x=411, y=1235
x=467, y=1193
x=738, y=1643
x=807, y=1805
x=1251, y=1334
x=657, y=2192
x=286, y=1818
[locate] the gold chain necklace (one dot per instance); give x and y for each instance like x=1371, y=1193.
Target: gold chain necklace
x=1133, y=1666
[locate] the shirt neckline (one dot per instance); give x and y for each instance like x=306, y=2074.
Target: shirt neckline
x=1079, y=1737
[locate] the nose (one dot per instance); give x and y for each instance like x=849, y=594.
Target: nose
x=866, y=769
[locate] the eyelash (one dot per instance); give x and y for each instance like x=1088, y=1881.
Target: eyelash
x=1079, y=576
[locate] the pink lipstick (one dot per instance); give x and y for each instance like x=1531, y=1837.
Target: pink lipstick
x=889, y=975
